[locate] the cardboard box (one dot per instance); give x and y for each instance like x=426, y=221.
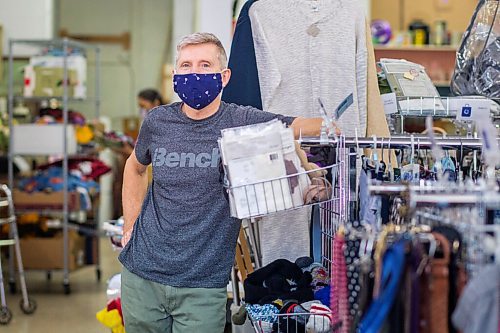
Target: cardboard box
x=40, y=200
x=131, y=126
x=47, y=253
x=49, y=82
x=77, y=64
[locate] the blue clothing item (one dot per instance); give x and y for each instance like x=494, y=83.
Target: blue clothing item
x=184, y=235
x=323, y=295
x=244, y=86
x=198, y=90
x=392, y=271
x=267, y=312
x=51, y=179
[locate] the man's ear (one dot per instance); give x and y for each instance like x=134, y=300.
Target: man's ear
x=226, y=76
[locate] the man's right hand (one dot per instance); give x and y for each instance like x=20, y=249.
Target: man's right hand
x=126, y=237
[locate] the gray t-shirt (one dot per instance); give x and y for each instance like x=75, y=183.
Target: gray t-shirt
x=184, y=235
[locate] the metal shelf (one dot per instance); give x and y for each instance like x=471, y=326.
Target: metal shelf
x=417, y=48
x=65, y=45
x=54, y=42
x=46, y=98
x=396, y=142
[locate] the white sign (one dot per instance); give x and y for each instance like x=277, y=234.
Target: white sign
x=390, y=103
x=470, y=108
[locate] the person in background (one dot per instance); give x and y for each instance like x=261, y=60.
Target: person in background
x=148, y=99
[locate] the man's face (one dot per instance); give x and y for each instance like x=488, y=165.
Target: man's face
x=201, y=59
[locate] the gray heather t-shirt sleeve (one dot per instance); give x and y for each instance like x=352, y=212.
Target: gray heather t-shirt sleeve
x=143, y=144
x=256, y=116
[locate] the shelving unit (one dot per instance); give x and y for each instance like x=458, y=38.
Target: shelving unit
x=439, y=61
x=65, y=45
x=417, y=48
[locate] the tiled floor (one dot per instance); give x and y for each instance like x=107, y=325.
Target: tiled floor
x=58, y=313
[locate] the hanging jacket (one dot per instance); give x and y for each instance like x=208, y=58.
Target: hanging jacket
x=244, y=88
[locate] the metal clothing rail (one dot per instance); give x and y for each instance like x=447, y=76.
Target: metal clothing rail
x=421, y=141
x=440, y=194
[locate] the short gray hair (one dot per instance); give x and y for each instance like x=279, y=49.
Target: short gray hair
x=203, y=38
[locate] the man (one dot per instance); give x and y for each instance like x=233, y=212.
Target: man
x=179, y=239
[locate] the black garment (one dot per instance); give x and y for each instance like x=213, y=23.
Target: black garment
x=351, y=253
x=244, y=86
x=280, y=279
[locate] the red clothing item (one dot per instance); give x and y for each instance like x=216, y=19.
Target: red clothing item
x=97, y=167
x=116, y=304
x=338, y=292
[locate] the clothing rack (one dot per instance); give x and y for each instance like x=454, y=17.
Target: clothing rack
x=348, y=147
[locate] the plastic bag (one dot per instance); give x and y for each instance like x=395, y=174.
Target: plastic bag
x=477, y=69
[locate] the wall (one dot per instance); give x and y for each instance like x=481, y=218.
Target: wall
x=400, y=13
x=215, y=16
x=15, y=15
x=123, y=72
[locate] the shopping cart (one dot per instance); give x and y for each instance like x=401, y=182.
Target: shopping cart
x=28, y=306
x=331, y=210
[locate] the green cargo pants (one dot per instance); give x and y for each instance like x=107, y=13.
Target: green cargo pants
x=152, y=307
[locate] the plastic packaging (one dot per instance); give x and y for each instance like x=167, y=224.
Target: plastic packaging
x=477, y=69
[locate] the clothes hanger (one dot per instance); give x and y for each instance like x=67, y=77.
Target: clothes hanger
x=390, y=170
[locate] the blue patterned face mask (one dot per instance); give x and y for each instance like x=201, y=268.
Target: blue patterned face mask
x=198, y=90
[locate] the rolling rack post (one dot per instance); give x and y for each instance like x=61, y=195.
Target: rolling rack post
x=12, y=281
x=66, y=285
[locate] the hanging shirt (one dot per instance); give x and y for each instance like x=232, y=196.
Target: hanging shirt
x=184, y=235
x=304, y=54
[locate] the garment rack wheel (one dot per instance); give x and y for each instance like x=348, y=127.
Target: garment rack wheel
x=5, y=316
x=98, y=274
x=67, y=289
x=29, y=307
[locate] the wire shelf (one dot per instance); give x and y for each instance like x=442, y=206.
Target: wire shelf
x=439, y=107
x=293, y=322
x=289, y=192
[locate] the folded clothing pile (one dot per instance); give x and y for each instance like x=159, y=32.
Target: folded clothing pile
x=280, y=297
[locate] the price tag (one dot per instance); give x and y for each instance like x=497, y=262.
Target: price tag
x=390, y=103
x=347, y=102
x=470, y=108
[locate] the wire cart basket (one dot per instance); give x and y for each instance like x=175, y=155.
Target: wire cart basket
x=329, y=192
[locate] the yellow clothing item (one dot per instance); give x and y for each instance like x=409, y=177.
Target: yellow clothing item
x=111, y=319
x=84, y=134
